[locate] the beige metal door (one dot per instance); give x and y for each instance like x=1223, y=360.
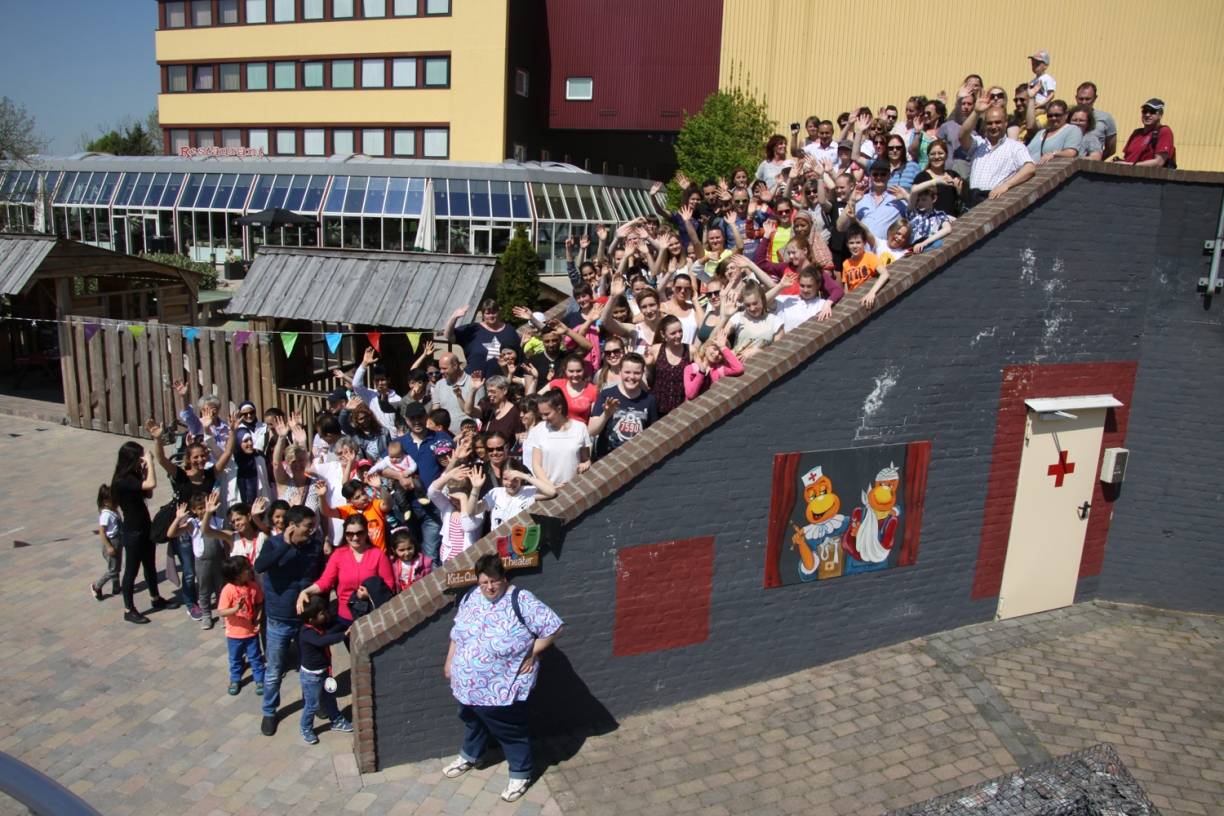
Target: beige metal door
x=1058, y=470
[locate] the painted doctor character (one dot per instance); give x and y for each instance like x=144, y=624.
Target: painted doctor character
x=817, y=542
x=873, y=526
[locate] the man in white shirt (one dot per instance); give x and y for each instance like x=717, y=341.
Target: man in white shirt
x=381, y=399
x=824, y=148
x=452, y=390
x=797, y=309
x=997, y=163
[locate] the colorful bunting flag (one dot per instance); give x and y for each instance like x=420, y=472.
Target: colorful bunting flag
x=136, y=330
x=241, y=338
x=374, y=338
x=191, y=333
x=91, y=329
x=288, y=340
x=414, y=338
x=333, y=340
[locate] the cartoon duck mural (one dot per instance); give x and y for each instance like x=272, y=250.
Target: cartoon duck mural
x=817, y=541
x=869, y=540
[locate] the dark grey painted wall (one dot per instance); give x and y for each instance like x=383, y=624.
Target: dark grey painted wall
x=1083, y=277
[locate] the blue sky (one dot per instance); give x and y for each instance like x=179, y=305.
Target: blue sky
x=78, y=65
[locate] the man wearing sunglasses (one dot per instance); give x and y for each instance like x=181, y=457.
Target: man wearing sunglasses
x=1152, y=144
x=878, y=208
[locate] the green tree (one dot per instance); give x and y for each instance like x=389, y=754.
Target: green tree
x=520, y=278
x=729, y=131
x=133, y=140
x=206, y=271
x=19, y=138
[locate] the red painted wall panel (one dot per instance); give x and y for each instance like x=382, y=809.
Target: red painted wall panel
x=663, y=596
x=650, y=61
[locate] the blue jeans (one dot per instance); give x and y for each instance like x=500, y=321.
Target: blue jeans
x=187, y=575
x=507, y=725
x=281, y=635
x=248, y=648
x=314, y=697
x=429, y=521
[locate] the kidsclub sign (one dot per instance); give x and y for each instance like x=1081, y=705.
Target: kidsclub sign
x=222, y=152
x=519, y=550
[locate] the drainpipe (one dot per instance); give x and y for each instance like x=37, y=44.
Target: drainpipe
x=1212, y=284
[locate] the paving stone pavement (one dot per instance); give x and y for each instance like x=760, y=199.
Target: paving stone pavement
x=137, y=720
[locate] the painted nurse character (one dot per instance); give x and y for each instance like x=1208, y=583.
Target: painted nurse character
x=817, y=541
x=873, y=526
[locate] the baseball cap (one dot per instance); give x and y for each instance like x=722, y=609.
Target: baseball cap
x=1041, y=56
x=845, y=144
x=443, y=449
x=339, y=395
x=362, y=463
x=1155, y=104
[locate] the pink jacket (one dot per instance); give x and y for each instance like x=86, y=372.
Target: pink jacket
x=696, y=381
x=344, y=574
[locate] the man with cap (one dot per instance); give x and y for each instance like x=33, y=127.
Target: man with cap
x=1042, y=85
x=878, y=208
x=423, y=445
x=1152, y=144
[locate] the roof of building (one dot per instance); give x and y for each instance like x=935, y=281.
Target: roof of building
x=26, y=257
x=407, y=290
x=348, y=165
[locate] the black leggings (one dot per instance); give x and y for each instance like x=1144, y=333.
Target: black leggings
x=138, y=550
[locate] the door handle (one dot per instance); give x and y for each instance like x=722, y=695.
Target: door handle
x=1083, y=510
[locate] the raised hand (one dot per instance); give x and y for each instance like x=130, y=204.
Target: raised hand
x=477, y=378
x=618, y=286
x=611, y=405
x=354, y=403
x=601, y=231
x=685, y=212
x=584, y=242
x=154, y=429
x=790, y=278
x=180, y=510
x=368, y=358
x=521, y=312
x=682, y=180
x=478, y=478
x=862, y=122
x=213, y=503
x=429, y=348
x=259, y=506
x=180, y=388
x=320, y=488
x=569, y=244
x=656, y=188
x=208, y=412
x=460, y=312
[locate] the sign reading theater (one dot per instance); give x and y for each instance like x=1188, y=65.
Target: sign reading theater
x=219, y=152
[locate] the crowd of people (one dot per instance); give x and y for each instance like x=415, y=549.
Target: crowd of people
x=269, y=518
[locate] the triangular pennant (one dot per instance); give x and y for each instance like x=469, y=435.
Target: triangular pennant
x=241, y=338
x=136, y=330
x=414, y=338
x=288, y=341
x=374, y=338
x=191, y=332
x=333, y=340
x=91, y=329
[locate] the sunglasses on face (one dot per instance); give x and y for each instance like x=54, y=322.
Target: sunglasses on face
x=1148, y=111
x=879, y=176
x=433, y=375
x=495, y=448
x=998, y=96
x=613, y=351
x=784, y=212
x=896, y=147
x=713, y=293
x=354, y=533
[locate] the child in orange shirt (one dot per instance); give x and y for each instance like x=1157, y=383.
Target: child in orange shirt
x=862, y=265
x=239, y=605
x=360, y=503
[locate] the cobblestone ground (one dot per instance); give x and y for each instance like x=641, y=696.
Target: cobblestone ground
x=137, y=720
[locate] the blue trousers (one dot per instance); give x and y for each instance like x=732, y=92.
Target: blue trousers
x=280, y=637
x=315, y=697
x=187, y=574
x=506, y=724
x=245, y=650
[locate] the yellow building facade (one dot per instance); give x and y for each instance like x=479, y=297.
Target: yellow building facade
x=810, y=58
x=210, y=72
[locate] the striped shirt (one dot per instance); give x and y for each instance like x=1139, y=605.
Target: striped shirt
x=994, y=165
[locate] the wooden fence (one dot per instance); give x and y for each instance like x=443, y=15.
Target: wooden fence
x=116, y=381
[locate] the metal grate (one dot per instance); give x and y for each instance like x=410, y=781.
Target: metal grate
x=1091, y=782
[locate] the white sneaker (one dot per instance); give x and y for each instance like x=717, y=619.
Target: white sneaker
x=514, y=790
x=458, y=767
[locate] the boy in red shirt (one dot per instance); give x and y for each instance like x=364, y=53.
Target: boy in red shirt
x=239, y=606
x=862, y=265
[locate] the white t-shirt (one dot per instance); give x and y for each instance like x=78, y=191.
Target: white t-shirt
x=1043, y=88
x=750, y=332
x=503, y=506
x=819, y=153
x=249, y=548
x=794, y=310
x=108, y=520
x=197, y=535
x=559, y=449
x=458, y=531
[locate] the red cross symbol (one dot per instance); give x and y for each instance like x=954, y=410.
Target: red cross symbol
x=1060, y=469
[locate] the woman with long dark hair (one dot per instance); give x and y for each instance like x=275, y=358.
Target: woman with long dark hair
x=131, y=486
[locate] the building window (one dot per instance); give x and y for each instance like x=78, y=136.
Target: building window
x=203, y=77
x=436, y=143
x=231, y=76
x=231, y=137
x=312, y=9
x=342, y=143
x=201, y=13
x=285, y=76
x=342, y=73
x=405, y=8
x=286, y=142
x=176, y=15
x=522, y=82
x=405, y=142
x=178, y=140
x=373, y=73
x=520, y=153
x=205, y=138
x=373, y=8
x=342, y=8
x=257, y=11
x=437, y=72
x=227, y=12
x=258, y=139
x=312, y=75
x=313, y=142
x=284, y=11
x=435, y=7
x=373, y=142
x=404, y=73
x=257, y=76
x=176, y=78
x=579, y=88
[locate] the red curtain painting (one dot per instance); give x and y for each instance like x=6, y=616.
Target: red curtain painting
x=782, y=502
x=917, y=458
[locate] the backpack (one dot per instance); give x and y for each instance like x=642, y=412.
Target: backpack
x=514, y=604
x=1153, y=138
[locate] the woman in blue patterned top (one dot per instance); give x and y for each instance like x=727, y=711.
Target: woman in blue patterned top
x=492, y=669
